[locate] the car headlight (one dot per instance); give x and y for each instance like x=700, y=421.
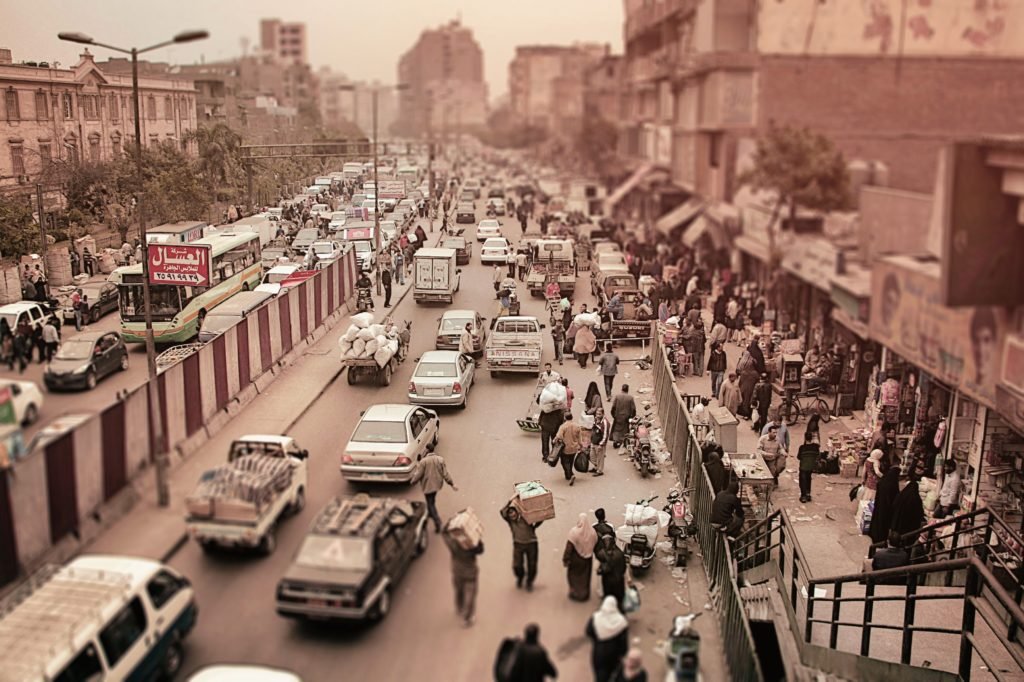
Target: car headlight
x=81, y=370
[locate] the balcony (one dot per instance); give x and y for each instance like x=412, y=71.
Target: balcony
x=653, y=14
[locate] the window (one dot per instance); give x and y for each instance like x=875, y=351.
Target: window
x=183, y=109
x=88, y=106
x=714, y=149
x=11, y=105
x=154, y=140
x=17, y=159
x=129, y=106
x=94, y=149
x=151, y=108
x=162, y=587
x=126, y=629
x=45, y=155
x=115, y=108
x=115, y=147
x=71, y=148
x=168, y=109
x=67, y=106
x=85, y=667
x=42, y=107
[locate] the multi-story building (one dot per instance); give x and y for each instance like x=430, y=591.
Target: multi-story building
x=284, y=41
x=344, y=102
x=444, y=75
x=602, y=90
x=84, y=113
x=546, y=83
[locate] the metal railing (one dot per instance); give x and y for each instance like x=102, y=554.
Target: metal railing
x=843, y=602
x=738, y=641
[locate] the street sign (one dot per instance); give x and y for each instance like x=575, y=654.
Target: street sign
x=7, y=406
x=392, y=189
x=179, y=264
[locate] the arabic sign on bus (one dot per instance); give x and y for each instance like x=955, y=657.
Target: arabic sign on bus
x=392, y=189
x=181, y=264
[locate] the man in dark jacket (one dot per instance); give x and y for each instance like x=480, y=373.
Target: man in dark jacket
x=549, y=422
x=808, y=455
x=385, y=279
x=717, y=364
x=727, y=511
x=531, y=662
x=717, y=474
x=762, y=401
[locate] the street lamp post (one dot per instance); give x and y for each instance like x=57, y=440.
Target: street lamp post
x=156, y=414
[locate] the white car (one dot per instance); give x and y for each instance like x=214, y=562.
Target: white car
x=370, y=205
x=606, y=247
x=442, y=377
x=242, y=673
x=495, y=250
x=487, y=229
x=387, y=441
x=272, y=278
x=327, y=252
x=365, y=255
x=319, y=210
x=26, y=400
x=338, y=219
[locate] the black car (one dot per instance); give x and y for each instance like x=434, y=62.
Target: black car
x=102, y=299
x=84, y=359
x=350, y=563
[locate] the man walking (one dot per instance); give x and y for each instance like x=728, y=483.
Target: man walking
x=510, y=261
x=698, y=341
x=550, y=423
x=717, y=364
x=808, y=456
x=528, y=661
x=521, y=264
x=609, y=367
x=571, y=436
x=623, y=409
x=524, y=545
x=431, y=473
x=599, y=441
x=51, y=339
x=464, y=575
x=558, y=338
x=466, y=343
x=400, y=266
x=385, y=279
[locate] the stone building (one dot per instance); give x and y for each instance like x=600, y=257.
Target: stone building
x=547, y=82
x=83, y=113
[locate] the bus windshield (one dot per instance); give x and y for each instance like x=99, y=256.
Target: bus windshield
x=167, y=300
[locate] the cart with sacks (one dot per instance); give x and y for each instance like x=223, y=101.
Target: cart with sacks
x=546, y=397
x=372, y=351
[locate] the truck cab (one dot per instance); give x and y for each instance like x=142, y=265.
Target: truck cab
x=514, y=345
x=552, y=257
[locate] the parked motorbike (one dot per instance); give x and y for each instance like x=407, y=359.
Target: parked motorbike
x=640, y=534
x=638, y=443
x=680, y=524
x=364, y=300
x=682, y=652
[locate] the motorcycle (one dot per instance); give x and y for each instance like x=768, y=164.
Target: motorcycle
x=680, y=524
x=682, y=652
x=638, y=444
x=364, y=300
x=639, y=533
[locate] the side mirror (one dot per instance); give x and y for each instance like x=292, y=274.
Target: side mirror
x=302, y=454
x=543, y=326
x=362, y=412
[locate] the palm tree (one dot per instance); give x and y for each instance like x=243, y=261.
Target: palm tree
x=219, y=148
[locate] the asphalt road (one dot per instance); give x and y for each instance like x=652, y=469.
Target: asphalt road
x=422, y=638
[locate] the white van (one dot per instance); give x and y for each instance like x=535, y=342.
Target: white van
x=97, y=618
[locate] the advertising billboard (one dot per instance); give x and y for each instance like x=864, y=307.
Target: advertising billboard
x=180, y=264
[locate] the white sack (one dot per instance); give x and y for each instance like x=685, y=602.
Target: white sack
x=365, y=334
x=376, y=329
x=587, y=320
x=382, y=356
x=359, y=347
x=553, y=397
x=351, y=333
x=371, y=347
x=362, y=320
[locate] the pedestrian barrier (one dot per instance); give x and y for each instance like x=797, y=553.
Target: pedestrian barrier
x=63, y=491
x=682, y=442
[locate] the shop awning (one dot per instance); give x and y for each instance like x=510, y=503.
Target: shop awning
x=695, y=232
x=629, y=185
x=680, y=215
x=752, y=247
x=850, y=322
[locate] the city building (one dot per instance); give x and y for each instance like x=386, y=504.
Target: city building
x=602, y=90
x=284, y=41
x=547, y=82
x=344, y=102
x=444, y=75
x=84, y=113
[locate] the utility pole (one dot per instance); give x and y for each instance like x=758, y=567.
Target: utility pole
x=42, y=234
x=376, y=194
x=430, y=179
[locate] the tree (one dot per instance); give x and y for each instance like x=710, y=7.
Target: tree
x=171, y=189
x=596, y=143
x=19, y=233
x=219, y=155
x=802, y=168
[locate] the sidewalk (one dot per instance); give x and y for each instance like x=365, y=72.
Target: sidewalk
x=155, y=532
x=825, y=526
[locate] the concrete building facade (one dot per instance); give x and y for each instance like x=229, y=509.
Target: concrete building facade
x=344, y=102
x=547, y=82
x=284, y=41
x=444, y=72
x=84, y=113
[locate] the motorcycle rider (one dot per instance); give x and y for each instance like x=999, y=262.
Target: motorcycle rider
x=363, y=286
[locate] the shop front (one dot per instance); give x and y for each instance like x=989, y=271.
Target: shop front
x=851, y=305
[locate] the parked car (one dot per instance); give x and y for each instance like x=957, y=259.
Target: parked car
x=337, y=222
x=442, y=378
x=102, y=299
x=463, y=249
x=242, y=673
x=85, y=359
x=351, y=561
x=387, y=441
x=488, y=228
x=451, y=324
x=495, y=250
x=26, y=400
x=327, y=252
x=34, y=313
x=304, y=239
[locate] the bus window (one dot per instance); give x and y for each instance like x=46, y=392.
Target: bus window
x=166, y=302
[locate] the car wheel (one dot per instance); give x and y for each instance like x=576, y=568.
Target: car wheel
x=124, y=362
x=268, y=543
x=495, y=374
x=382, y=606
x=465, y=400
x=423, y=541
x=174, y=657
x=90, y=379
x=299, y=503
x=31, y=414
x=94, y=316
x=350, y=375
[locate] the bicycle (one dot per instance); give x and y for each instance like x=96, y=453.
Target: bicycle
x=793, y=406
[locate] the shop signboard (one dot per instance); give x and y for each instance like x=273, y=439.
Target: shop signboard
x=392, y=189
x=179, y=264
x=959, y=346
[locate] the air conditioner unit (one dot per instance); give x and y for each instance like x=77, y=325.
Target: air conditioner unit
x=22, y=179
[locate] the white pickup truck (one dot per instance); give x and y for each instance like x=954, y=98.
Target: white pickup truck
x=514, y=345
x=238, y=504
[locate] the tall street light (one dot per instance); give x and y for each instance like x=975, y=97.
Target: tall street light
x=156, y=414
x=375, y=90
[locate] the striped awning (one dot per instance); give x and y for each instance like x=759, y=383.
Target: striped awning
x=629, y=185
x=680, y=215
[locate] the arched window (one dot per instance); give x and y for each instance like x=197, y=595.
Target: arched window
x=151, y=108
x=168, y=109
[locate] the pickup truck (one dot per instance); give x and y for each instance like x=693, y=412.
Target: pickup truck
x=552, y=257
x=240, y=503
x=514, y=345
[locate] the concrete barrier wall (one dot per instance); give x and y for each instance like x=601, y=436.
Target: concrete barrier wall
x=62, y=488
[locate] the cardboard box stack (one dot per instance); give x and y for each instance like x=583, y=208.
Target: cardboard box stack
x=58, y=267
x=535, y=502
x=10, y=285
x=466, y=529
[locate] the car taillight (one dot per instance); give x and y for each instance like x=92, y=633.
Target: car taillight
x=347, y=459
x=412, y=387
x=402, y=461
x=457, y=388
x=441, y=339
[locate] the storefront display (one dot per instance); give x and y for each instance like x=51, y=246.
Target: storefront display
x=1001, y=486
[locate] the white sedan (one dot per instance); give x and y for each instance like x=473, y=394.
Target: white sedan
x=387, y=441
x=25, y=398
x=495, y=250
x=442, y=377
x=488, y=228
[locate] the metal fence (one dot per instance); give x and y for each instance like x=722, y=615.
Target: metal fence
x=682, y=442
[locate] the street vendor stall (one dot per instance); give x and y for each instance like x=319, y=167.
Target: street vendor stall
x=756, y=482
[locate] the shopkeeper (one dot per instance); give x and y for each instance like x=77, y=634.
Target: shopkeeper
x=949, y=495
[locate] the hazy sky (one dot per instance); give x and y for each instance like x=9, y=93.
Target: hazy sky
x=362, y=39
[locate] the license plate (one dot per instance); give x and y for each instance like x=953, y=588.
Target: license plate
x=319, y=603
x=635, y=561
x=520, y=362
x=433, y=391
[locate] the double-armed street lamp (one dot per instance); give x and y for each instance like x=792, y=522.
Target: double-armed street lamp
x=156, y=415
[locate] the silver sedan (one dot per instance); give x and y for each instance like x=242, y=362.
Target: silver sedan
x=442, y=377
